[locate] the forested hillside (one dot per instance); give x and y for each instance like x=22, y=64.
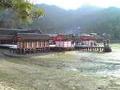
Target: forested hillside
x=57, y=20
x=85, y=19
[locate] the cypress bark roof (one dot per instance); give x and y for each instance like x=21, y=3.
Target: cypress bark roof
x=63, y=37
x=15, y=31
x=32, y=36
x=6, y=37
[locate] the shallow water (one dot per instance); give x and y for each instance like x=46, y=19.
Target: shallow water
x=91, y=63
x=71, y=70
x=98, y=63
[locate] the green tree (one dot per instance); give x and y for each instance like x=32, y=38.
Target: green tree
x=23, y=9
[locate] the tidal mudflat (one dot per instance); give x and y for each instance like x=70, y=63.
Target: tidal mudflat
x=74, y=70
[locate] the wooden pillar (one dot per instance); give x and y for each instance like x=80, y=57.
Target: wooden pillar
x=99, y=49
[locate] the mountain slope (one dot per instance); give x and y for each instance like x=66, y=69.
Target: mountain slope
x=85, y=19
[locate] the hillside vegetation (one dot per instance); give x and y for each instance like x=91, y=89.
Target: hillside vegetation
x=85, y=19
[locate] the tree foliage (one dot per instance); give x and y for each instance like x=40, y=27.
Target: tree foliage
x=24, y=10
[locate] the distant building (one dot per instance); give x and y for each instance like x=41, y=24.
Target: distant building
x=24, y=41
x=7, y=39
x=7, y=36
x=32, y=42
x=90, y=40
x=63, y=41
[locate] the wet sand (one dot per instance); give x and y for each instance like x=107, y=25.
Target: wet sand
x=72, y=70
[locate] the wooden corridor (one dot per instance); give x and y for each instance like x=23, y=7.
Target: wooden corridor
x=91, y=49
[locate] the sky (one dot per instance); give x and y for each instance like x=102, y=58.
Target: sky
x=74, y=4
